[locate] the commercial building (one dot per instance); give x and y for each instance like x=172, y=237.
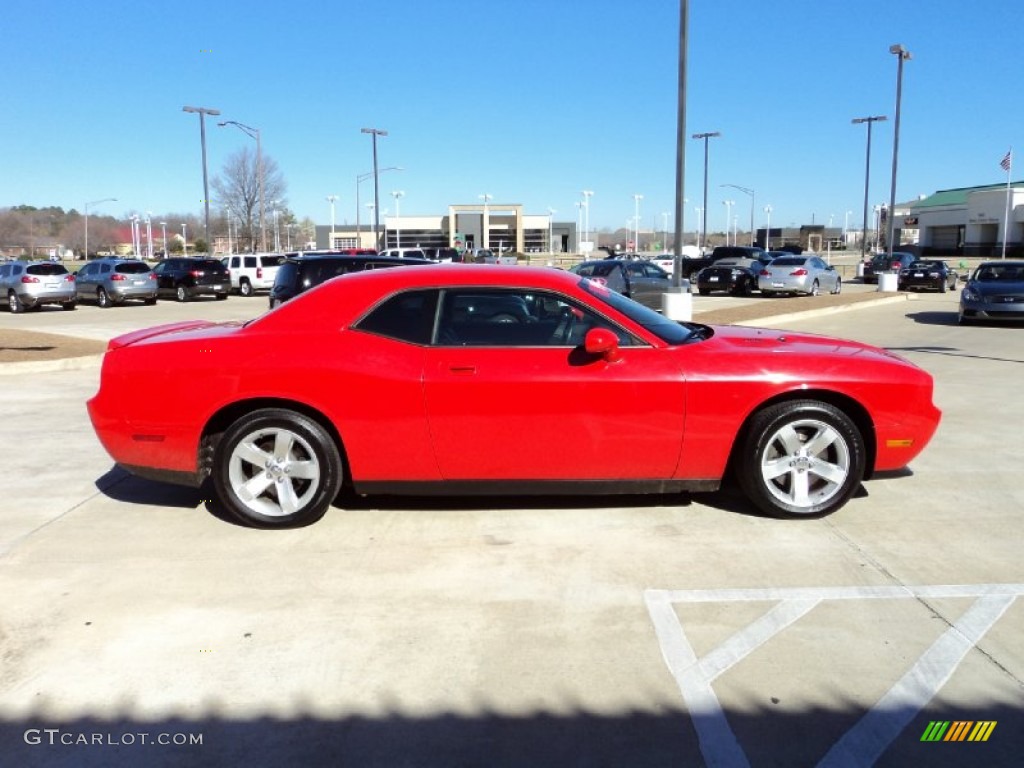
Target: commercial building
x=971, y=221
x=501, y=227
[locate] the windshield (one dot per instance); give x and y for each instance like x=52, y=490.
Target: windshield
x=667, y=330
x=1003, y=272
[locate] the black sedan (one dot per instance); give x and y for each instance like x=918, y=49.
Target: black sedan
x=994, y=291
x=928, y=274
x=736, y=276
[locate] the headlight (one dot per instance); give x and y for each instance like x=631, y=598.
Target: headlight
x=967, y=294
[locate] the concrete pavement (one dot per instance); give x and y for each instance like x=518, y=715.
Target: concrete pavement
x=596, y=631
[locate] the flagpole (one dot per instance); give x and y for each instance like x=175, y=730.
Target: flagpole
x=1006, y=215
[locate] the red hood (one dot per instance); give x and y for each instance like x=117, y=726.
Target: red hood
x=739, y=338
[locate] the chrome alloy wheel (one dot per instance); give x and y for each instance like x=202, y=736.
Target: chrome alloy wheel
x=274, y=472
x=805, y=463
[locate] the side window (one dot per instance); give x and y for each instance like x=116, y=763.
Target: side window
x=651, y=270
x=407, y=316
x=250, y=261
x=5, y=270
x=477, y=317
x=104, y=268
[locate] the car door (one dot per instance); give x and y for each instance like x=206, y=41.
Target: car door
x=524, y=401
x=85, y=280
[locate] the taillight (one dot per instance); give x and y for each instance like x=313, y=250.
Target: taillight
x=259, y=273
x=896, y=266
x=152, y=275
x=69, y=278
x=29, y=279
x=798, y=272
x=118, y=278
x=196, y=273
x=765, y=273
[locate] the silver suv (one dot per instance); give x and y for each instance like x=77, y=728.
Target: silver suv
x=111, y=281
x=252, y=272
x=28, y=284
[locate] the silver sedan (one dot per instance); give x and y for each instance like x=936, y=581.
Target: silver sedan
x=799, y=274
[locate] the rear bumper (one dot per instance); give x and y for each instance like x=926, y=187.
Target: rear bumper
x=47, y=297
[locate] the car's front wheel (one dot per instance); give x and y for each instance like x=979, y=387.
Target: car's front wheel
x=276, y=468
x=801, y=459
x=815, y=288
x=15, y=303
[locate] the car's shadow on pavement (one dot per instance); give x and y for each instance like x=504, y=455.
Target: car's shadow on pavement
x=934, y=318
x=120, y=485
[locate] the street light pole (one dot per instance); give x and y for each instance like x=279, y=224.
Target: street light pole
x=203, y=112
x=902, y=55
x=331, y=199
x=359, y=180
x=164, y=225
x=704, y=223
x=551, y=214
x=94, y=202
x=398, y=195
x=375, y=132
x=636, y=214
x=728, y=217
x=486, y=223
x=751, y=193
x=587, y=194
x=184, y=239
x=867, y=179
x=254, y=133
x=698, y=210
x=768, y=229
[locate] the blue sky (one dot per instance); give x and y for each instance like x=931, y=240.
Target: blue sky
x=530, y=102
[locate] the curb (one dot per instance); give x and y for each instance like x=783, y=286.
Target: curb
x=48, y=366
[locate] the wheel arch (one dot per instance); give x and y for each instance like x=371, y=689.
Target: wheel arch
x=848, y=405
x=222, y=419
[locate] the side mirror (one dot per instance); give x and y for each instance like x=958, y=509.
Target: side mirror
x=602, y=342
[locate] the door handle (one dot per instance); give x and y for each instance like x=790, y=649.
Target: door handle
x=464, y=370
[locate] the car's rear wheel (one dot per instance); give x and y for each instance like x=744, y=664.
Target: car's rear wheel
x=221, y=296
x=704, y=291
x=801, y=459
x=69, y=306
x=942, y=286
x=102, y=299
x=815, y=288
x=245, y=288
x=17, y=307
x=181, y=293
x=149, y=302
x=276, y=468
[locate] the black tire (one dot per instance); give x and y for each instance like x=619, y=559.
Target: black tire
x=245, y=288
x=839, y=286
x=102, y=299
x=15, y=304
x=221, y=296
x=764, y=451
x=246, y=457
x=943, y=287
x=181, y=293
x=69, y=306
x=149, y=302
x=815, y=288
x=704, y=291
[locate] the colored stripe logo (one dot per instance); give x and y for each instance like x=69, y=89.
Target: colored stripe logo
x=958, y=730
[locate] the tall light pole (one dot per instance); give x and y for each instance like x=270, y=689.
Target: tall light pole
x=636, y=214
x=164, y=225
x=587, y=194
x=375, y=132
x=768, y=229
x=551, y=215
x=486, y=220
x=579, y=224
x=867, y=178
x=359, y=180
x=203, y=112
x=94, y=202
x=846, y=228
x=149, y=235
x=331, y=199
x=184, y=239
x=704, y=221
x=751, y=193
x=728, y=217
x=698, y=210
x=398, y=195
x=254, y=133
x=664, y=230
x=277, y=231
x=902, y=54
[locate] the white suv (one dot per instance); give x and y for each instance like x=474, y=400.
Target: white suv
x=252, y=272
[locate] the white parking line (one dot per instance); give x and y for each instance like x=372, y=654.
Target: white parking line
x=865, y=742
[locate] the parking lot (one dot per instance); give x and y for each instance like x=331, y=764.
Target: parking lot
x=664, y=630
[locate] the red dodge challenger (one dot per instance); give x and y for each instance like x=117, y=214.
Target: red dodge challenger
x=475, y=379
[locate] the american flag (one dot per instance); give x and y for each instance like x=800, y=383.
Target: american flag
x=1007, y=161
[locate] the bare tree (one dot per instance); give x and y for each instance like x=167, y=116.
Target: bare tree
x=238, y=189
